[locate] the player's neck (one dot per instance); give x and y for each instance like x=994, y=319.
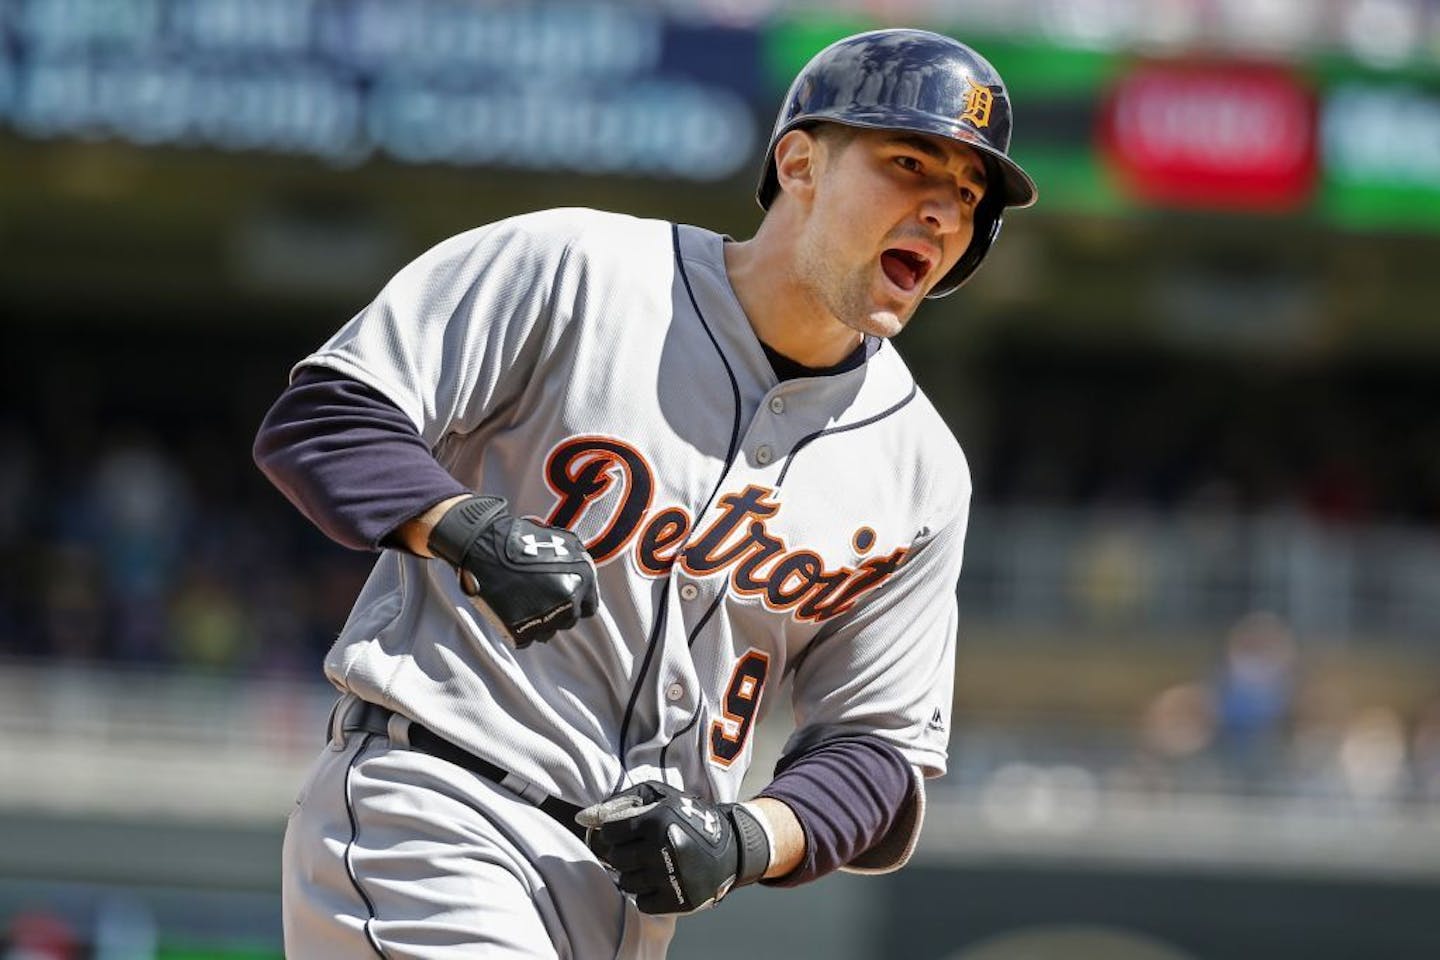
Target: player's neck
x=784, y=313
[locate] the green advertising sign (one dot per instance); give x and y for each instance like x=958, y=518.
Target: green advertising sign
x=1381, y=146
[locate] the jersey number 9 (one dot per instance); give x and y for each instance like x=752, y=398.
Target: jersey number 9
x=740, y=706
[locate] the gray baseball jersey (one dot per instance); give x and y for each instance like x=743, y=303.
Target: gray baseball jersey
x=598, y=372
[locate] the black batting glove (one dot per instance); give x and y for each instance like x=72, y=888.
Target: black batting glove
x=676, y=853
x=530, y=579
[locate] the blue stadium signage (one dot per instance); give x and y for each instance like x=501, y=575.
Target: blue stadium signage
x=588, y=88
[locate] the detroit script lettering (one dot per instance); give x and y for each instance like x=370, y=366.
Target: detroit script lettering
x=580, y=471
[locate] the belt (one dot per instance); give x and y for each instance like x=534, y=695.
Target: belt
x=372, y=718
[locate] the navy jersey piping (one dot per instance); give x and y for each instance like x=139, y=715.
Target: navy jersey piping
x=694, y=718
x=829, y=431
x=349, y=846
x=663, y=605
x=662, y=609
x=705, y=618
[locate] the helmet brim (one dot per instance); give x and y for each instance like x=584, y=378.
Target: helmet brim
x=1018, y=189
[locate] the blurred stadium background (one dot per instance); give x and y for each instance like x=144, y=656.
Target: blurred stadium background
x=1197, y=705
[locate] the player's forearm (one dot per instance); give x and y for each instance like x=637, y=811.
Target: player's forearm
x=787, y=837
x=842, y=797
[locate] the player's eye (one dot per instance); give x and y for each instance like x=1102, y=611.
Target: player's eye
x=969, y=196
x=909, y=163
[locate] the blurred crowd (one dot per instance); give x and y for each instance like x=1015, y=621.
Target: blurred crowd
x=1344, y=446
x=1382, y=32
x=137, y=551
x=1263, y=719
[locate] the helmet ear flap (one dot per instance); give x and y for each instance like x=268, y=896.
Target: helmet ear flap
x=988, y=216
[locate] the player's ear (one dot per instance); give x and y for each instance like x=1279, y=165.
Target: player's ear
x=797, y=157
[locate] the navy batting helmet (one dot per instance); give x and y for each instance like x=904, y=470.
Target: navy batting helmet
x=920, y=81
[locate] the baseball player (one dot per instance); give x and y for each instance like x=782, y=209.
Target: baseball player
x=624, y=477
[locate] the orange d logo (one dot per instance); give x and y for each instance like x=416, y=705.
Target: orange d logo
x=978, y=101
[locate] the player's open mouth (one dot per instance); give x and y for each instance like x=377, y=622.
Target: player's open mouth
x=904, y=268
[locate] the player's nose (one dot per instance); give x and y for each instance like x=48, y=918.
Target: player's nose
x=942, y=211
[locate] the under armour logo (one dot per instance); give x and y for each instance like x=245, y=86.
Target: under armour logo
x=533, y=545
x=706, y=817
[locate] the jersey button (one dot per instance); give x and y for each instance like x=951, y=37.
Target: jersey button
x=674, y=692
x=763, y=455
x=777, y=405
x=688, y=591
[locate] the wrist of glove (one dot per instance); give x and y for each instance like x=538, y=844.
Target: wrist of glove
x=529, y=579
x=676, y=853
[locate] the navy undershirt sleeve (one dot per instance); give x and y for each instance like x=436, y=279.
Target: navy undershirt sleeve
x=847, y=793
x=349, y=459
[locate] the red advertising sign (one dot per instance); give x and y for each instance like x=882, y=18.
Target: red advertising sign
x=1232, y=136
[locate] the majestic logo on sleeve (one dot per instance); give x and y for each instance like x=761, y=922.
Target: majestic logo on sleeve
x=736, y=543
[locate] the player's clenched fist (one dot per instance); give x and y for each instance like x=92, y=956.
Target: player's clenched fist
x=531, y=578
x=676, y=853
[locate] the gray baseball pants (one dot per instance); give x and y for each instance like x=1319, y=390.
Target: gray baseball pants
x=393, y=853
